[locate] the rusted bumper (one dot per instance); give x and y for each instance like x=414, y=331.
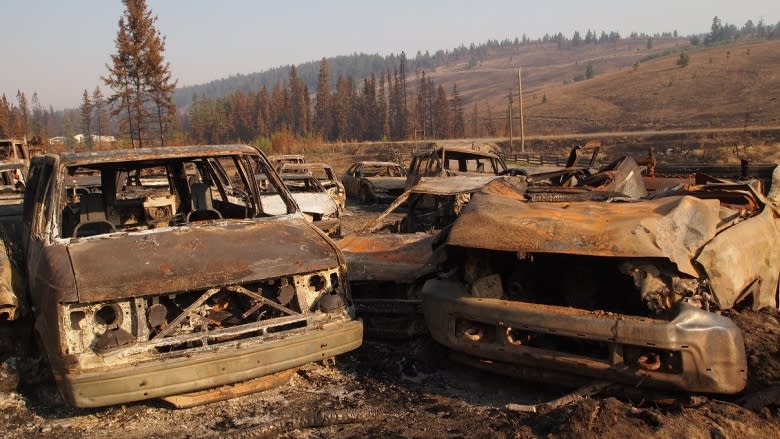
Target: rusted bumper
x=203, y=370
x=694, y=351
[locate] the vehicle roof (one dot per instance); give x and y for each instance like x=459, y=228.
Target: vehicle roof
x=141, y=154
x=285, y=156
x=297, y=177
x=459, y=149
x=376, y=163
x=306, y=166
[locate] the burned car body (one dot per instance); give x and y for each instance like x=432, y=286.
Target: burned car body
x=445, y=161
x=326, y=176
x=277, y=161
x=391, y=257
x=12, y=178
x=590, y=282
x=374, y=181
x=313, y=199
x=153, y=276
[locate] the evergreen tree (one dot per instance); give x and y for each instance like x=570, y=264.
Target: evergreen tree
x=323, y=117
x=160, y=85
x=576, y=39
x=86, y=119
x=297, y=110
x=342, y=109
x=38, y=124
x=382, y=108
x=264, y=113
x=475, y=121
x=101, y=114
x=138, y=75
x=458, y=128
x=403, y=116
x=4, y=113
x=683, y=60
x=24, y=113
x=441, y=115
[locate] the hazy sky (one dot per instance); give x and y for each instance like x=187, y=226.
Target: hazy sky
x=58, y=48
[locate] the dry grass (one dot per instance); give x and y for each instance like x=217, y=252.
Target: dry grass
x=722, y=86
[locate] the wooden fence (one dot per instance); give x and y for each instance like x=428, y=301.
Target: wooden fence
x=536, y=159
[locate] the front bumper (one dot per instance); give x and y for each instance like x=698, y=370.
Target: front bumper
x=695, y=351
x=203, y=370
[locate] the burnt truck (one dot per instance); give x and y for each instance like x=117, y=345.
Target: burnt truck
x=157, y=272
x=576, y=276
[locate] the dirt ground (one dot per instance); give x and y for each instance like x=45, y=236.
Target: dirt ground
x=410, y=389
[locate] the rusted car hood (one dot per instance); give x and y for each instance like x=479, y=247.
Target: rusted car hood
x=197, y=257
x=320, y=203
x=674, y=227
x=453, y=185
x=389, y=183
x=388, y=257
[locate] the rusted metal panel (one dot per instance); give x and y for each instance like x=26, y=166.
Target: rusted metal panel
x=207, y=368
x=674, y=228
x=389, y=257
x=743, y=260
x=700, y=351
x=10, y=308
x=191, y=258
x=173, y=152
x=453, y=185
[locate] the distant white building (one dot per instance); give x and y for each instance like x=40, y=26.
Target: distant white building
x=95, y=138
x=57, y=140
x=102, y=139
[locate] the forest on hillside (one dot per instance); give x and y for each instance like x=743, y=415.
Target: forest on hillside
x=345, y=98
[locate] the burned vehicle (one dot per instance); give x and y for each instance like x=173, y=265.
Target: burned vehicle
x=312, y=198
x=374, y=181
x=14, y=151
x=277, y=161
x=150, y=275
x=444, y=161
x=325, y=174
x=393, y=255
x=12, y=307
x=544, y=281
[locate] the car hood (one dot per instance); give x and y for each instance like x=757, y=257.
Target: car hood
x=674, y=228
x=398, y=257
x=388, y=183
x=196, y=257
x=319, y=203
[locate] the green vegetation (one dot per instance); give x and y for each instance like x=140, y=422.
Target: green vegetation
x=683, y=60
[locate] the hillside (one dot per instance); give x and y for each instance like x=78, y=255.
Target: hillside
x=633, y=88
x=721, y=86
x=553, y=63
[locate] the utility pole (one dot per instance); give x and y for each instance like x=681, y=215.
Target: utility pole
x=510, y=122
x=520, y=95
